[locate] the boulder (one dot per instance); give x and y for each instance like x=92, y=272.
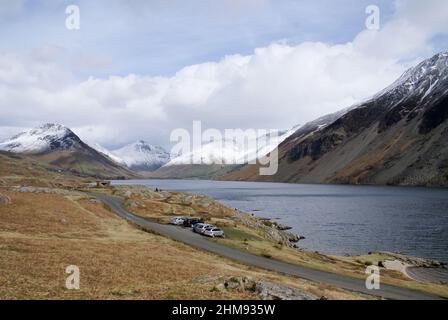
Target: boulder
x=219, y=288
x=282, y=227
x=4, y=199
x=264, y=289
x=273, y=291
x=232, y=283
x=292, y=237
x=270, y=229
x=235, y=283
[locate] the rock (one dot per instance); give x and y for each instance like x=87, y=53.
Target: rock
x=247, y=280
x=414, y=261
x=26, y=190
x=4, y=199
x=271, y=232
x=2, y=182
x=230, y=283
x=248, y=283
x=291, y=237
x=220, y=288
x=235, y=283
x=63, y=221
x=264, y=289
x=274, y=291
x=282, y=227
x=268, y=223
x=294, y=238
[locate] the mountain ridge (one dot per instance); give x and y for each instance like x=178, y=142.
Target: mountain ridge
x=59, y=146
x=141, y=156
x=395, y=137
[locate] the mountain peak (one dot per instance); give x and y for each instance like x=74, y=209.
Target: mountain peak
x=142, y=144
x=52, y=126
x=143, y=156
x=419, y=83
x=44, y=138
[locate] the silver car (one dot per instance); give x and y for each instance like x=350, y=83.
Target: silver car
x=200, y=227
x=177, y=221
x=214, y=232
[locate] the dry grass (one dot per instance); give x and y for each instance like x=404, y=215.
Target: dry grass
x=26, y=171
x=351, y=266
x=41, y=234
x=165, y=205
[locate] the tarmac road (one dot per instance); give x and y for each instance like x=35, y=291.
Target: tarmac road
x=198, y=241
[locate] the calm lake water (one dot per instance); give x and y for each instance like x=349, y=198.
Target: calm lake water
x=339, y=219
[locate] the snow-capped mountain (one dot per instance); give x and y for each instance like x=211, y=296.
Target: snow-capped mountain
x=61, y=148
x=422, y=82
x=398, y=136
x=141, y=156
x=106, y=152
x=232, y=151
x=45, y=138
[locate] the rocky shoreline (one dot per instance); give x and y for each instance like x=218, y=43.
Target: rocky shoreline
x=273, y=230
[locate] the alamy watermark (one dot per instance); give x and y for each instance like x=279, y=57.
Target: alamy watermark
x=227, y=147
x=373, y=21
x=73, y=19
x=72, y=282
x=373, y=278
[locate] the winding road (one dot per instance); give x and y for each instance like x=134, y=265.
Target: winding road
x=197, y=241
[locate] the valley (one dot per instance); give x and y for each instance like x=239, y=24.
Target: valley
x=51, y=217
x=49, y=223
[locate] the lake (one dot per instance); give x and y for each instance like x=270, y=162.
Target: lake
x=339, y=219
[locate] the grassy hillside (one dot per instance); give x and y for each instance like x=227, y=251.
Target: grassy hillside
x=44, y=230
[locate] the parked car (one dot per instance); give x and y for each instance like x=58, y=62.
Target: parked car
x=189, y=222
x=177, y=221
x=200, y=227
x=214, y=232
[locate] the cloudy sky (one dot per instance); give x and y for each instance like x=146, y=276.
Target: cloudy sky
x=138, y=69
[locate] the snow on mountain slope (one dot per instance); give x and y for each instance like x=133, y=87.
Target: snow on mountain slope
x=55, y=137
x=422, y=81
x=58, y=146
x=106, y=152
x=420, y=85
x=231, y=151
x=398, y=136
x=45, y=138
x=142, y=156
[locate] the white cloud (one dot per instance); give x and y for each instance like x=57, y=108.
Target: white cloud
x=277, y=86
